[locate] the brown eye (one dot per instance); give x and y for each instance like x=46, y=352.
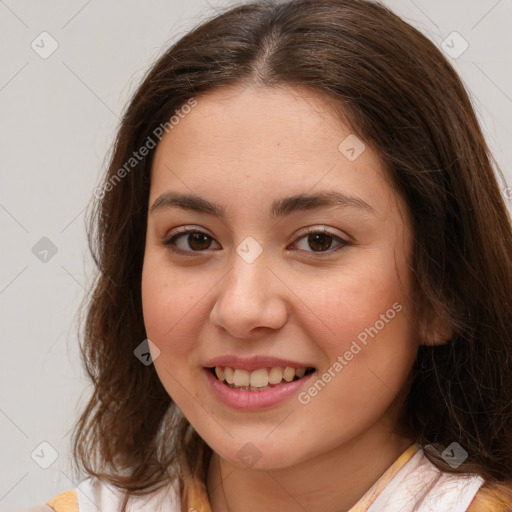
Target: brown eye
x=189, y=241
x=320, y=241
x=198, y=241
x=316, y=242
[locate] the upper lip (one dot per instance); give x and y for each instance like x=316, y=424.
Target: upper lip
x=254, y=362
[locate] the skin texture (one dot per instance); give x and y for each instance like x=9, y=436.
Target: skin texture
x=243, y=148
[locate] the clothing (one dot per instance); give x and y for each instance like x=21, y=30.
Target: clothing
x=411, y=484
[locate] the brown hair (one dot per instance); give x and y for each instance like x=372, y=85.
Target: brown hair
x=403, y=98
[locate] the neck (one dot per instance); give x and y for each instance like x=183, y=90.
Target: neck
x=331, y=482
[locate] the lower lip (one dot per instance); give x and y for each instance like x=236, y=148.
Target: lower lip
x=250, y=400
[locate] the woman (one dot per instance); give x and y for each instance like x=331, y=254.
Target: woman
x=304, y=287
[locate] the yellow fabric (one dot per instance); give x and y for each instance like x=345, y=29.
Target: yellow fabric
x=488, y=500
x=195, y=495
x=365, y=502
x=65, y=502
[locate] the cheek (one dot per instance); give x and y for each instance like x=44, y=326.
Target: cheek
x=167, y=296
x=168, y=300
x=371, y=329
x=352, y=300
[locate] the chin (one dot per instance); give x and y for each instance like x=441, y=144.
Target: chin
x=259, y=454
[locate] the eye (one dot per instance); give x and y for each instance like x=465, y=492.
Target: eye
x=320, y=240
x=188, y=239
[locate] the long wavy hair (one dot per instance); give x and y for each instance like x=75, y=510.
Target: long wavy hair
x=399, y=94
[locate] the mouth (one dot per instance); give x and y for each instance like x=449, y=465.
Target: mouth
x=258, y=380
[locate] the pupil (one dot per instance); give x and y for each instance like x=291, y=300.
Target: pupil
x=198, y=237
x=320, y=237
x=317, y=241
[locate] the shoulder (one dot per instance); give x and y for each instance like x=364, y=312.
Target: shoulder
x=94, y=494
x=63, y=502
x=493, y=497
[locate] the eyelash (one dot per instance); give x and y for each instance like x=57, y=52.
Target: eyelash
x=169, y=243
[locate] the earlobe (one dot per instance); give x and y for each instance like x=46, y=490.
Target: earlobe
x=434, y=331
x=433, y=341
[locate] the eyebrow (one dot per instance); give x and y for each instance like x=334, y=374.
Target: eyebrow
x=279, y=208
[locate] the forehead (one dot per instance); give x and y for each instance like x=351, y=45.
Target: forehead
x=266, y=143
x=246, y=117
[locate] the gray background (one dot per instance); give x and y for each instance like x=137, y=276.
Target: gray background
x=58, y=119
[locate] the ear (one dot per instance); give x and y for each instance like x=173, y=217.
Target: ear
x=434, y=331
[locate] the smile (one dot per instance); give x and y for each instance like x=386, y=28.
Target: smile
x=255, y=389
x=260, y=379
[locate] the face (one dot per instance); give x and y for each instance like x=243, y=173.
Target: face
x=247, y=277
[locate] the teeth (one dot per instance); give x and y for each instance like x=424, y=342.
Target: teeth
x=228, y=374
x=219, y=373
x=241, y=377
x=275, y=376
x=261, y=378
x=288, y=374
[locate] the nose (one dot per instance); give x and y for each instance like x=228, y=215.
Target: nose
x=251, y=297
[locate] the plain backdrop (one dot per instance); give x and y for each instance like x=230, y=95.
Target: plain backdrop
x=58, y=119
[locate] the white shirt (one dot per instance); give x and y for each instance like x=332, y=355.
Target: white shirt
x=418, y=486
